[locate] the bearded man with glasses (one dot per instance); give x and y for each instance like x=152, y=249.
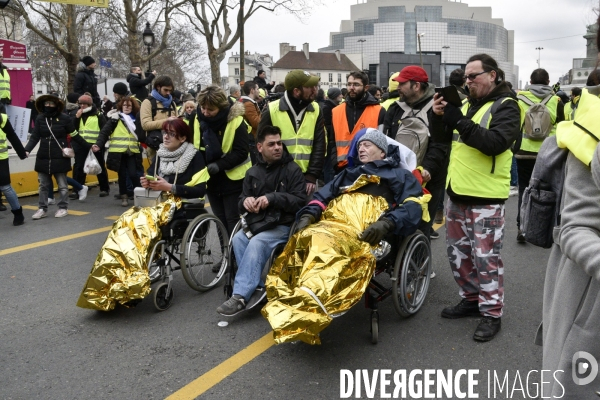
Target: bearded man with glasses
x=478, y=183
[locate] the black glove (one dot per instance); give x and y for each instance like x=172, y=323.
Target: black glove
x=304, y=221
x=377, y=231
x=452, y=115
x=213, y=168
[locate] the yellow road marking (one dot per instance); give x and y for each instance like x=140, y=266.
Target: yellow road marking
x=54, y=240
x=112, y=217
x=71, y=212
x=223, y=370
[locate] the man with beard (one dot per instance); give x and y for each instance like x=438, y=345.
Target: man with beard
x=416, y=105
x=482, y=132
x=301, y=122
x=360, y=110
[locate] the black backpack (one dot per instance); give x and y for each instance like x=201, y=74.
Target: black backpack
x=154, y=137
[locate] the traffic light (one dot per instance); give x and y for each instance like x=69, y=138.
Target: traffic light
x=4, y=3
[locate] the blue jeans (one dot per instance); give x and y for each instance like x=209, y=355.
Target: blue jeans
x=514, y=175
x=251, y=256
x=11, y=197
x=70, y=181
x=45, y=181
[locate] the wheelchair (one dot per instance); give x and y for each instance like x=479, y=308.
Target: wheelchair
x=406, y=261
x=198, y=244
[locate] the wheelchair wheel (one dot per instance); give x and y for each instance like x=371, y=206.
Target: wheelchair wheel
x=204, y=258
x=374, y=327
x=412, y=271
x=158, y=260
x=162, y=299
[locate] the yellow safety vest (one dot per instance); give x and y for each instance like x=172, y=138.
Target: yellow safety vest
x=3, y=144
x=5, y=85
x=90, y=130
x=299, y=144
x=386, y=104
x=569, y=110
x=472, y=173
x=551, y=105
x=122, y=140
x=238, y=172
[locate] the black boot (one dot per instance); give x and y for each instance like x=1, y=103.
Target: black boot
x=19, y=219
x=2, y=206
x=488, y=328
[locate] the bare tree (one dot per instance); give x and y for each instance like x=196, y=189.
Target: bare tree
x=212, y=19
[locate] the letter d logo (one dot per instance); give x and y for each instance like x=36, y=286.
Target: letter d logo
x=584, y=363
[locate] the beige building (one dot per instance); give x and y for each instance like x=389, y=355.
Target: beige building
x=252, y=63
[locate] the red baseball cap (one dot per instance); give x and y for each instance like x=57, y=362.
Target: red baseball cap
x=412, y=73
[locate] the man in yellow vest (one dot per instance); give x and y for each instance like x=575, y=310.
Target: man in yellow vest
x=539, y=91
x=571, y=106
x=478, y=182
x=360, y=110
x=301, y=122
x=4, y=83
x=89, y=121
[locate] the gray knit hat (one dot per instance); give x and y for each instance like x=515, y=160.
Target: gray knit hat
x=375, y=137
x=333, y=93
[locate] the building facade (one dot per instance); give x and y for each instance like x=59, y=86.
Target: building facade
x=252, y=63
x=445, y=31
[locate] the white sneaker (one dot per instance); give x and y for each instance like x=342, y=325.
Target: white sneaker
x=51, y=202
x=61, y=212
x=514, y=191
x=432, y=275
x=39, y=214
x=83, y=193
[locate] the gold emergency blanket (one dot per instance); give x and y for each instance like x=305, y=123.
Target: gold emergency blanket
x=324, y=269
x=120, y=272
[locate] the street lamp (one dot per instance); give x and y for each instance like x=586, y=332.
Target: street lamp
x=539, y=49
x=420, y=54
x=148, y=37
x=444, y=63
x=361, y=41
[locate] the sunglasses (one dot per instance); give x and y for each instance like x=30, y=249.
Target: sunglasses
x=473, y=76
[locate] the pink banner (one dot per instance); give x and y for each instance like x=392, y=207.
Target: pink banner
x=13, y=51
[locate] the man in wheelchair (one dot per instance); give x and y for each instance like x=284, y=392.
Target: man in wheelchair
x=327, y=263
x=273, y=191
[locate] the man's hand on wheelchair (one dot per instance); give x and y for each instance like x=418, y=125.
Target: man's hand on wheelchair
x=377, y=231
x=304, y=221
x=251, y=204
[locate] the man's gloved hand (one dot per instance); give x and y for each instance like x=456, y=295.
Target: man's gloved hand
x=213, y=168
x=304, y=221
x=452, y=115
x=377, y=231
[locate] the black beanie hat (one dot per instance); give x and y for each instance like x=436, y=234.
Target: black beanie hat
x=88, y=60
x=72, y=98
x=120, y=88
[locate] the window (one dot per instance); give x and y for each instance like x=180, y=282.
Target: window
x=236, y=60
x=236, y=71
x=330, y=77
x=237, y=81
x=319, y=74
x=339, y=78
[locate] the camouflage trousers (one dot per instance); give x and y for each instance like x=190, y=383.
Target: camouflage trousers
x=474, y=235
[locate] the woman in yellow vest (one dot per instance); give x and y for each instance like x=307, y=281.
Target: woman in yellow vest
x=224, y=137
x=124, y=154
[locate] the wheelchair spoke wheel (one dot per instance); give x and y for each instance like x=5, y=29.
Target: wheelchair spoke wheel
x=162, y=299
x=204, y=257
x=374, y=327
x=158, y=259
x=412, y=271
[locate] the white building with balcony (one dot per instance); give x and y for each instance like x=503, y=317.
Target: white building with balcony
x=252, y=63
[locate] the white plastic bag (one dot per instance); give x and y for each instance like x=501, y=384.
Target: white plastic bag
x=91, y=166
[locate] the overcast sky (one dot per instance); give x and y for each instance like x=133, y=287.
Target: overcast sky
x=534, y=22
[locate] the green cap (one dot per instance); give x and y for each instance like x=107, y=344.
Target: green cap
x=296, y=78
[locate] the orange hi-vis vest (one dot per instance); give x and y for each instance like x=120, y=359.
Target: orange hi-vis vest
x=343, y=136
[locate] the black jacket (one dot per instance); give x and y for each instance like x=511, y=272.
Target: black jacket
x=317, y=156
x=181, y=190
x=282, y=182
x=262, y=83
x=49, y=157
x=138, y=86
x=505, y=128
x=12, y=137
x=327, y=108
x=437, y=154
x=86, y=81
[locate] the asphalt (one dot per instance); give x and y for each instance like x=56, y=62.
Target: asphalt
x=51, y=349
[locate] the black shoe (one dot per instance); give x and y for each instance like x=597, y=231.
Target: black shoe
x=103, y=193
x=233, y=306
x=521, y=237
x=488, y=328
x=434, y=235
x=117, y=196
x=2, y=207
x=74, y=196
x=439, y=217
x=463, y=309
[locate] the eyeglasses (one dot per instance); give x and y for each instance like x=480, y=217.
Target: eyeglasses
x=473, y=76
x=171, y=134
x=354, y=85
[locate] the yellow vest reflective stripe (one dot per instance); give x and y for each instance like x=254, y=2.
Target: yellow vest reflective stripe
x=201, y=176
x=299, y=144
x=90, y=130
x=197, y=133
x=5, y=85
x=3, y=144
x=551, y=105
x=472, y=173
x=238, y=172
x=121, y=140
x=581, y=136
